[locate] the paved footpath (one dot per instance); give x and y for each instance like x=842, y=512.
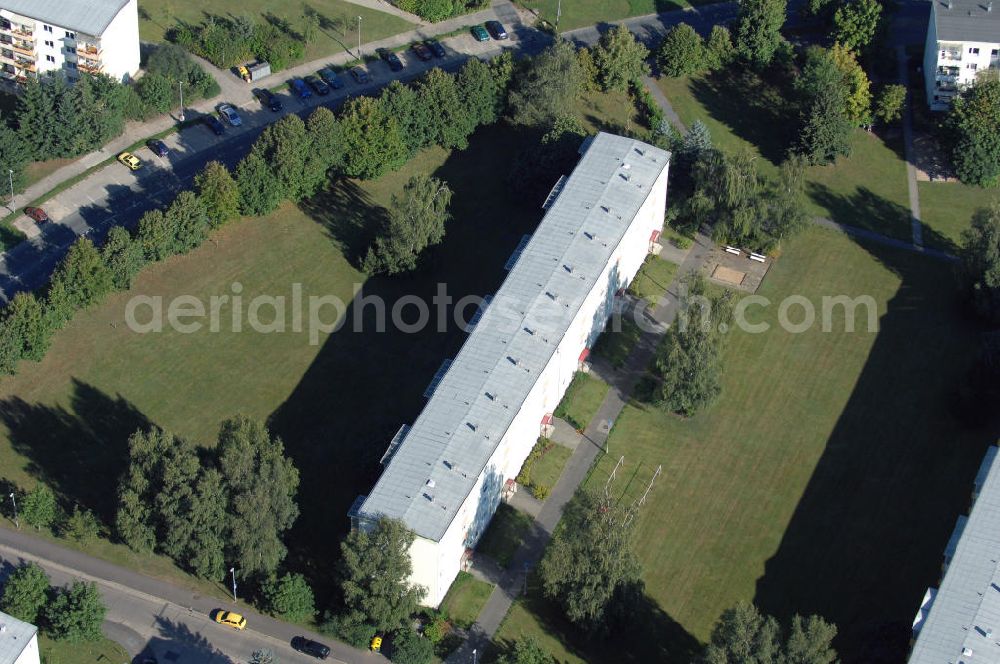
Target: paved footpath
x=512, y=581
x=911, y=168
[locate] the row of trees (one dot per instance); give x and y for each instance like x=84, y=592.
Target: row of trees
x=744, y=635
x=972, y=128
x=72, y=613
x=202, y=509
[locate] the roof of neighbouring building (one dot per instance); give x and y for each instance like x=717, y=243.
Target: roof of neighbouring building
x=87, y=16
x=15, y=635
x=966, y=20
x=441, y=457
x=965, y=615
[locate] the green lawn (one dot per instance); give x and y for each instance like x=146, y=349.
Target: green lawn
x=582, y=399
x=549, y=467
x=616, y=344
x=465, y=599
x=338, y=23
x=827, y=455
x=582, y=13
x=946, y=208
x=744, y=112
x=38, y=170
x=651, y=281
x=504, y=535
x=104, y=651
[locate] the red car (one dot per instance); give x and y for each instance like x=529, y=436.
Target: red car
x=38, y=214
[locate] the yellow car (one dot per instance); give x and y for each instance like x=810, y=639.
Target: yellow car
x=376, y=645
x=130, y=161
x=230, y=619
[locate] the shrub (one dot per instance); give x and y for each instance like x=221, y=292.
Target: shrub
x=540, y=491
x=432, y=10
x=408, y=647
x=76, y=613
x=681, y=52
x=290, y=597
x=25, y=592
x=81, y=525
x=39, y=508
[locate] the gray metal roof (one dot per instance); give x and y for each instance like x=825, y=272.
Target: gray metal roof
x=965, y=614
x=14, y=636
x=447, y=449
x=966, y=21
x=87, y=16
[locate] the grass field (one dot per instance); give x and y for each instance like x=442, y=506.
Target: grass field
x=827, y=455
x=947, y=209
x=504, y=535
x=338, y=23
x=582, y=399
x=465, y=599
x=582, y=13
x=743, y=112
x=64, y=652
x=616, y=344
x=548, y=468
x=654, y=276
x=38, y=170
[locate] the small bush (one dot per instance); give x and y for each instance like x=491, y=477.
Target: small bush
x=540, y=491
x=683, y=242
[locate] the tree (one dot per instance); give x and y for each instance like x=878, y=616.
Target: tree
x=76, y=613
x=744, y=635
x=35, y=113
x=39, y=508
x=189, y=221
x=451, y=123
x=858, y=87
x=25, y=592
x=408, y=647
x=123, y=256
x=84, y=275
x=826, y=128
x=290, y=597
x=81, y=525
x=262, y=483
x=155, y=236
x=135, y=521
x=719, y=49
x=479, y=92
x=537, y=168
x=810, y=641
x=374, y=574
x=27, y=323
x=399, y=101
x=548, y=87
x=980, y=256
x=326, y=152
x=416, y=221
x=855, y=23
x=697, y=142
x=758, y=31
x=974, y=125
x=689, y=357
x=219, y=193
x=502, y=72
x=526, y=651
x=619, y=59
x=263, y=656
x=889, y=103
x=284, y=147
x=588, y=559
x=260, y=191
x=682, y=52
x=371, y=139
x=14, y=154
x=205, y=552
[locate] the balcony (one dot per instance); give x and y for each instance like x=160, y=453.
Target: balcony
x=948, y=55
x=84, y=50
x=26, y=65
x=90, y=66
x=24, y=49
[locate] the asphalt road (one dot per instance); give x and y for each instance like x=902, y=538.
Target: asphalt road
x=149, y=616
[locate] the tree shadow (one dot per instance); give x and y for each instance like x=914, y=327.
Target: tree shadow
x=867, y=536
x=176, y=641
x=79, y=451
x=349, y=215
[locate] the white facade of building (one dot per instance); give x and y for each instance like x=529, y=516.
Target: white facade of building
x=445, y=478
x=18, y=641
x=69, y=36
x=963, y=41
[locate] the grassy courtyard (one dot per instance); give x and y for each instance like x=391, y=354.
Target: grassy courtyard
x=64, y=652
x=828, y=454
x=947, y=208
x=583, y=13
x=582, y=399
x=338, y=22
x=465, y=599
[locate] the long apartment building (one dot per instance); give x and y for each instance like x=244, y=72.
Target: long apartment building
x=70, y=36
x=444, y=476
x=963, y=41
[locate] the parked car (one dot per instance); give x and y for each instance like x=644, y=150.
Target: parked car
x=37, y=214
x=228, y=112
x=421, y=51
x=213, y=123
x=435, y=46
x=310, y=647
x=229, y=619
x=269, y=99
x=318, y=85
x=130, y=161
x=331, y=78
x=479, y=33
x=360, y=74
x=496, y=29
x=300, y=88
x=158, y=147
x=390, y=58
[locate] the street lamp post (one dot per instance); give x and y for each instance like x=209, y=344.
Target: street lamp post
x=474, y=651
x=10, y=177
x=12, y=500
x=232, y=570
x=558, y=14
x=359, y=38
x=180, y=89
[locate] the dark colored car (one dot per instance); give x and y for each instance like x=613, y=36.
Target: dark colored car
x=331, y=78
x=310, y=647
x=391, y=59
x=435, y=46
x=479, y=33
x=300, y=88
x=360, y=74
x=214, y=124
x=158, y=147
x=496, y=29
x=318, y=85
x=37, y=214
x=422, y=51
x=269, y=99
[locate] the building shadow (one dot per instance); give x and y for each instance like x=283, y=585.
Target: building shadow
x=867, y=536
x=176, y=642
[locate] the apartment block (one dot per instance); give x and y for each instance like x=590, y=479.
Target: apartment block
x=39, y=37
x=963, y=41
